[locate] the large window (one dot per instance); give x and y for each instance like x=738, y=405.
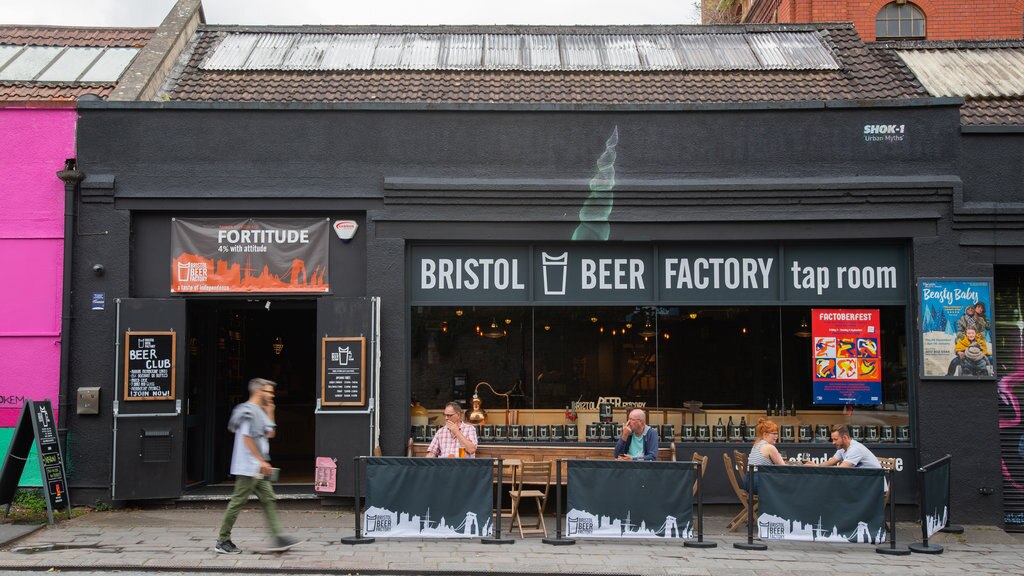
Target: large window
x=741, y=358
x=900, y=20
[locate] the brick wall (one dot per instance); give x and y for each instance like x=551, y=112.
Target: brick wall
x=945, y=19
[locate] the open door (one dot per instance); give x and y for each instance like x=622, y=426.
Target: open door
x=148, y=421
x=348, y=332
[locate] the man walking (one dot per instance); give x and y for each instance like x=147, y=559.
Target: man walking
x=253, y=424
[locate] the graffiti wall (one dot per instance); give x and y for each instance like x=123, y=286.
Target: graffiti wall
x=1009, y=316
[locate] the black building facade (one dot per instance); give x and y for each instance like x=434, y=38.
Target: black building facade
x=813, y=180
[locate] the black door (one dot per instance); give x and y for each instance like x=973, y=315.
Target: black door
x=229, y=343
x=147, y=406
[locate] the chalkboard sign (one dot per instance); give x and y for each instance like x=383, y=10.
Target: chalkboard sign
x=149, y=365
x=343, y=380
x=36, y=421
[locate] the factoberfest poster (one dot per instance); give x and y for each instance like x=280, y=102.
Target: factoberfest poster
x=957, y=328
x=847, y=355
x=267, y=255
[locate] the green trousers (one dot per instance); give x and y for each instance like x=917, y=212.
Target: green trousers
x=244, y=486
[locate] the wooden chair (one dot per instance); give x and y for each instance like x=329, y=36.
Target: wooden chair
x=887, y=464
x=510, y=483
x=534, y=482
x=703, y=468
x=735, y=472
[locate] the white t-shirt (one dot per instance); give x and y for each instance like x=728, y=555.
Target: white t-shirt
x=243, y=462
x=858, y=455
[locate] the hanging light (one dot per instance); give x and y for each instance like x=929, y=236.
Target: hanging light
x=278, y=346
x=805, y=330
x=493, y=331
x=693, y=315
x=648, y=330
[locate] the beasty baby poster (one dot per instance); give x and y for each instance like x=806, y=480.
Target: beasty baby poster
x=957, y=328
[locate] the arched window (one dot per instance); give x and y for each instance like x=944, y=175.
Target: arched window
x=899, y=20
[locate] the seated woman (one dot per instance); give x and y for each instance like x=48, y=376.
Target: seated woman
x=764, y=452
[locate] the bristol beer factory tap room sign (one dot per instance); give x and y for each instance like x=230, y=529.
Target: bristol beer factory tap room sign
x=756, y=273
x=266, y=255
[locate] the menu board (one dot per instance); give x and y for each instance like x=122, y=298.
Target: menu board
x=342, y=375
x=149, y=364
x=36, y=420
x=50, y=457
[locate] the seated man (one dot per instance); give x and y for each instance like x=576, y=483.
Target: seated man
x=638, y=441
x=456, y=439
x=849, y=452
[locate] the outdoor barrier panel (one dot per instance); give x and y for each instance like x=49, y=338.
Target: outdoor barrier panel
x=934, y=494
x=618, y=499
x=429, y=498
x=821, y=504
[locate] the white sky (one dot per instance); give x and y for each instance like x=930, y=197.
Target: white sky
x=149, y=13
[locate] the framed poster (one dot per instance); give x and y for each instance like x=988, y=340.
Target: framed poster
x=957, y=330
x=342, y=374
x=149, y=364
x=847, y=351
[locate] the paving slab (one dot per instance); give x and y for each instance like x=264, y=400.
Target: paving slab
x=172, y=539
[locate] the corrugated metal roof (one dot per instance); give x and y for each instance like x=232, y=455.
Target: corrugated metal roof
x=978, y=73
x=349, y=52
x=530, y=52
x=789, y=51
x=64, y=64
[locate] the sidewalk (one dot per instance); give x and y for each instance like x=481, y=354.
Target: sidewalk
x=182, y=539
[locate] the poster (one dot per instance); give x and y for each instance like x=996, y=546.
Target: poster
x=957, y=332
x=847, y=356
x=266, y=255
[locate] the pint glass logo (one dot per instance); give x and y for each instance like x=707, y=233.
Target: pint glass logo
x=378, y=523
x=580, y=526
x=554, y=273
x=192, y=272
x=343, y=356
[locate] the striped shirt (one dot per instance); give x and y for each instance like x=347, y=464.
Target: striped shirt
x=758, y=459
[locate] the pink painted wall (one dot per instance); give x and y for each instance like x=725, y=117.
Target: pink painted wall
x=35, y=144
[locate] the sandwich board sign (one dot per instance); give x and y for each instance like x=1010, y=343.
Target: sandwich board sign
x=36, y=421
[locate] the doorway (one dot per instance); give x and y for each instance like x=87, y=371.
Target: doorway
x=229, y=343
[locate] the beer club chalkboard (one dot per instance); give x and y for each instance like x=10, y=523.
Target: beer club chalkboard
x=149, y=365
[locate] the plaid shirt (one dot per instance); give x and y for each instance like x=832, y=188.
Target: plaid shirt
x=445, y=443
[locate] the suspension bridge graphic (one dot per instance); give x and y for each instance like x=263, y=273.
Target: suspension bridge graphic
x=771, y=527
x=583, y=524
x=384, y=523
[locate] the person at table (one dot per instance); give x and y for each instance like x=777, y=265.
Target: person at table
x=638, y=441
x=457, y=439
x=764, y=452
x=849, y=452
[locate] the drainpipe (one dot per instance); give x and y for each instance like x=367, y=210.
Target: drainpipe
x=71, y=177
